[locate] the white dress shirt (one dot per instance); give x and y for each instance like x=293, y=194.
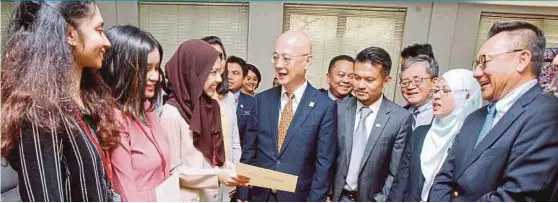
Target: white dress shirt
x=425, y=116
x=509, y=99
x=296, y=100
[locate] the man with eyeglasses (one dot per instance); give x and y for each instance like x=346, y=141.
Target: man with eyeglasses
x=339, y=77
x=416, y=81
x=297, y=126
x=508, y=150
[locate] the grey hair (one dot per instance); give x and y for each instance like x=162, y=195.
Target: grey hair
x=431, y=64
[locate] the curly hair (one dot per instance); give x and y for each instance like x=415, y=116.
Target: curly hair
x=37, y=66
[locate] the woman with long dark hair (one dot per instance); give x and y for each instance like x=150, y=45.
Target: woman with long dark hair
x=130, y=69
x=58, y=124
x=229, y=122
x=192, y=120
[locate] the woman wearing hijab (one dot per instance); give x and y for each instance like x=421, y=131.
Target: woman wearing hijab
x=456, y=95
x=192, y=120
x=227, y=105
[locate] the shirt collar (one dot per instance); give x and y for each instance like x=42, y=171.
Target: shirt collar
x=504, y=104
x=423, y=108
x=375, y=107
x=332, y=97
x=297, y=93
x=236, y=95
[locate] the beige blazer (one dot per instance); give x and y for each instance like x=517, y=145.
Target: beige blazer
x=198, y=179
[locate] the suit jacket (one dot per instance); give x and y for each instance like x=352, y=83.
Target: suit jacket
x=407, y=186
x=247, y=116
x=382, y=153
x=307, y=149
x=516, y=161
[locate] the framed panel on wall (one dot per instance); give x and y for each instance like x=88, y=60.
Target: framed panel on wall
x=547, y=23
x=175, y=22
x=338, y=29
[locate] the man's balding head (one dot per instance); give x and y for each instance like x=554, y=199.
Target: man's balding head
x=292, y=56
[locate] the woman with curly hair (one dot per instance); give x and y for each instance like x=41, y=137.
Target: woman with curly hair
x=58, y=124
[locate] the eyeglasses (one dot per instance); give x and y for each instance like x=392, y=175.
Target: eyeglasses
x=416, y=82
x=286, y=58
x=445, y=91
x=481, y=61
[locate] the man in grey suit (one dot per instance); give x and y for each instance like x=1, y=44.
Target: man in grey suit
x=372, y=133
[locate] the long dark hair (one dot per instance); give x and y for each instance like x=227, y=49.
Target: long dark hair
x=37, y=64
x=223, y=87
x=125, y=68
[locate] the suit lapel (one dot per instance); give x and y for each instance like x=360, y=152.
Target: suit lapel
x=516, y=110
x=303, y=110
x=379, y=125
x=273, y=117
x=349, y=127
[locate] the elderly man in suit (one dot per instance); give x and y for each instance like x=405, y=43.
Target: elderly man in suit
x=296, y=126
x=372, y=133
x=506, y=151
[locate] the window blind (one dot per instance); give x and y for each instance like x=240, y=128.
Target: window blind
x=337, y=29
x=548, y=24
x=175, y=22
x=6, y=12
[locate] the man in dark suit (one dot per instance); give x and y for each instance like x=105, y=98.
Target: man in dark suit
x=339, y=77
x=507, y=150
x=372, y=133
x=296, y=126
x=246, y=109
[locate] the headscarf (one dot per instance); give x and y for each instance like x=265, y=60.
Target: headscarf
x=187, y=71
x=440, y=137
x=549, y=73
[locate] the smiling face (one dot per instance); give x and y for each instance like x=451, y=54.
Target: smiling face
x=153, y=60
x=88, y=40
x=250, y=82
x=213, y=79
x=503, y=69
x=293, y=56
x=340, y=78
x=417, y=95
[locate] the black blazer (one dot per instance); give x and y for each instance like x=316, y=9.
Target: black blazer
x=407, y=186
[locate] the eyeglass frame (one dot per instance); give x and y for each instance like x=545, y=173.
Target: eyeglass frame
x=412, y=81
x=481, y=59
x=444, y=93
x=287, y=61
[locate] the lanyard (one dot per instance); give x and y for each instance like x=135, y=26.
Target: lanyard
x=105, y=156
x=154, y=142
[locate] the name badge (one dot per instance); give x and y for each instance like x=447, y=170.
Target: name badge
x=246, y=113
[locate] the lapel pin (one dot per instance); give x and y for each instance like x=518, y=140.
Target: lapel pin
x=241, y=106
x=378, y=125
x=311, y=104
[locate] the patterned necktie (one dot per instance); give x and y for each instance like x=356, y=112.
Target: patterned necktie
x=359, y=145
x=286, y=117
x=416, y=112
x=487, y=123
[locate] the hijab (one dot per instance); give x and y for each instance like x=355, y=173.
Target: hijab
x=187, y=71
x=440, y=137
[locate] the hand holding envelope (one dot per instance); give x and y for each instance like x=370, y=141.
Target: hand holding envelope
x=230, y=178
x=266, y=178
